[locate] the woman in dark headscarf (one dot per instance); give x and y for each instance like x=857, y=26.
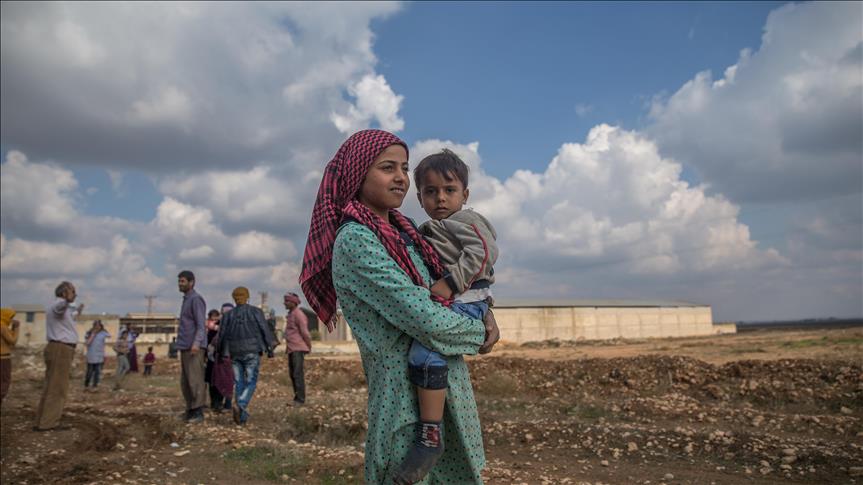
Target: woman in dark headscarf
x=364, y=252
x=218, y=374
x=133, y=349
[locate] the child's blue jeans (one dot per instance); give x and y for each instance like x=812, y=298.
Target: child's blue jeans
x=427, y=368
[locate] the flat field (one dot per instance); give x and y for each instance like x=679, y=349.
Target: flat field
x=763, y=407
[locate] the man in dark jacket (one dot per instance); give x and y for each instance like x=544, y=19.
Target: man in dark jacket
x=244, y=336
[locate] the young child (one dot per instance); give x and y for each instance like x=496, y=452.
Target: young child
x=465, y=241
x=149, y=360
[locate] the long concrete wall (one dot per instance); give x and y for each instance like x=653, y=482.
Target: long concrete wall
x=601, y=323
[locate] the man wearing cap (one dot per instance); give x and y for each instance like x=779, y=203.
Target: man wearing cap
x=299, y=343
x=244, y=336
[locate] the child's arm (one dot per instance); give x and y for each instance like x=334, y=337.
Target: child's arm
x=442, y=289
x=479, y=251
x=363, y=269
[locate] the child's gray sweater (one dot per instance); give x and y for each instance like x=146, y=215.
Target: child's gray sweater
x=466, y=244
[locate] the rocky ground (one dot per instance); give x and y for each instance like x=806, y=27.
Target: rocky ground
x=771, y=407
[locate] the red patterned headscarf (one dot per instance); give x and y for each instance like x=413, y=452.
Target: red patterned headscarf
x=336, y=200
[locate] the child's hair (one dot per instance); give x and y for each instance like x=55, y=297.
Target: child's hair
x=212, y=312
x=446, y=163
x=149, y=349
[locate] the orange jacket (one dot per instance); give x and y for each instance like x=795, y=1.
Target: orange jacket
x=8, y=337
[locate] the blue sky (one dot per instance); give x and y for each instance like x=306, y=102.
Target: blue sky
x=690, y=151
x=528, y=66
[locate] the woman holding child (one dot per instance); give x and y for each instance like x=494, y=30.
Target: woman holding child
x=364, y=252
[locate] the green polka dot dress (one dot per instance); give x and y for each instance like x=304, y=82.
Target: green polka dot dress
x=385, y=310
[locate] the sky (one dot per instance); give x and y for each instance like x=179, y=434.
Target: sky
x=704, y=152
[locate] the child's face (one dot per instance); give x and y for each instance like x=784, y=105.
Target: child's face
x=439, y=197
x=386, y=182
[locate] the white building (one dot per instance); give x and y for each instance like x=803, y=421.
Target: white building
x=537, y=320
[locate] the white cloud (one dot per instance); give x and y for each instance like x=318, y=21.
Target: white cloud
x=611, y=200
x=190, y=232
x=169, y=104
x=216, y=86
x=179, y=221
x=111, y=259
x=200, y=252
x=37, y=198
x=257, y=246
x=29, y=259
x=73, y=39
x=375, y=100
x=785, y=122
x=260, y=198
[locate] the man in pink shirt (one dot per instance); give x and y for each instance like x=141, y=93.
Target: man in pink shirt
x=299, y=343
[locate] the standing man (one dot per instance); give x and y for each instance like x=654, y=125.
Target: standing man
x=62, y=339
x=191, y=338
x=299, y=343
x=121, y=347
x=244, y=335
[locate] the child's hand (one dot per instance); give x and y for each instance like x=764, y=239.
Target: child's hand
x=441, y=289
x=492, y=333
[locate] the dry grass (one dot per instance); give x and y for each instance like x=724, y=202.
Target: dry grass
x=268, y=463
x=302, y=426
x=336, y=381
x=499, y=384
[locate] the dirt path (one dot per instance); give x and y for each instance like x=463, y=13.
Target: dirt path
x=761, y=408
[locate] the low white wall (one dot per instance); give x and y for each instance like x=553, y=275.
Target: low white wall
x=601, y=323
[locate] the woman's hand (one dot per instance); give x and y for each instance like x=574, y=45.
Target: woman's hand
x=492, y=333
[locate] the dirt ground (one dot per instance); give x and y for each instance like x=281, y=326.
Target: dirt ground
x=760, y=407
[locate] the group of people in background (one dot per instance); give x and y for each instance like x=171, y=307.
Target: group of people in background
x=124, y=348
x=220, y=352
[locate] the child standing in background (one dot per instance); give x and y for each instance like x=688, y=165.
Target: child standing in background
x=149, y=360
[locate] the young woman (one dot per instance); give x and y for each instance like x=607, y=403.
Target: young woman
x=366, y=253
x=95, y=341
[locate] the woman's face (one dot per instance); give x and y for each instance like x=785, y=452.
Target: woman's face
x=386, y=182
